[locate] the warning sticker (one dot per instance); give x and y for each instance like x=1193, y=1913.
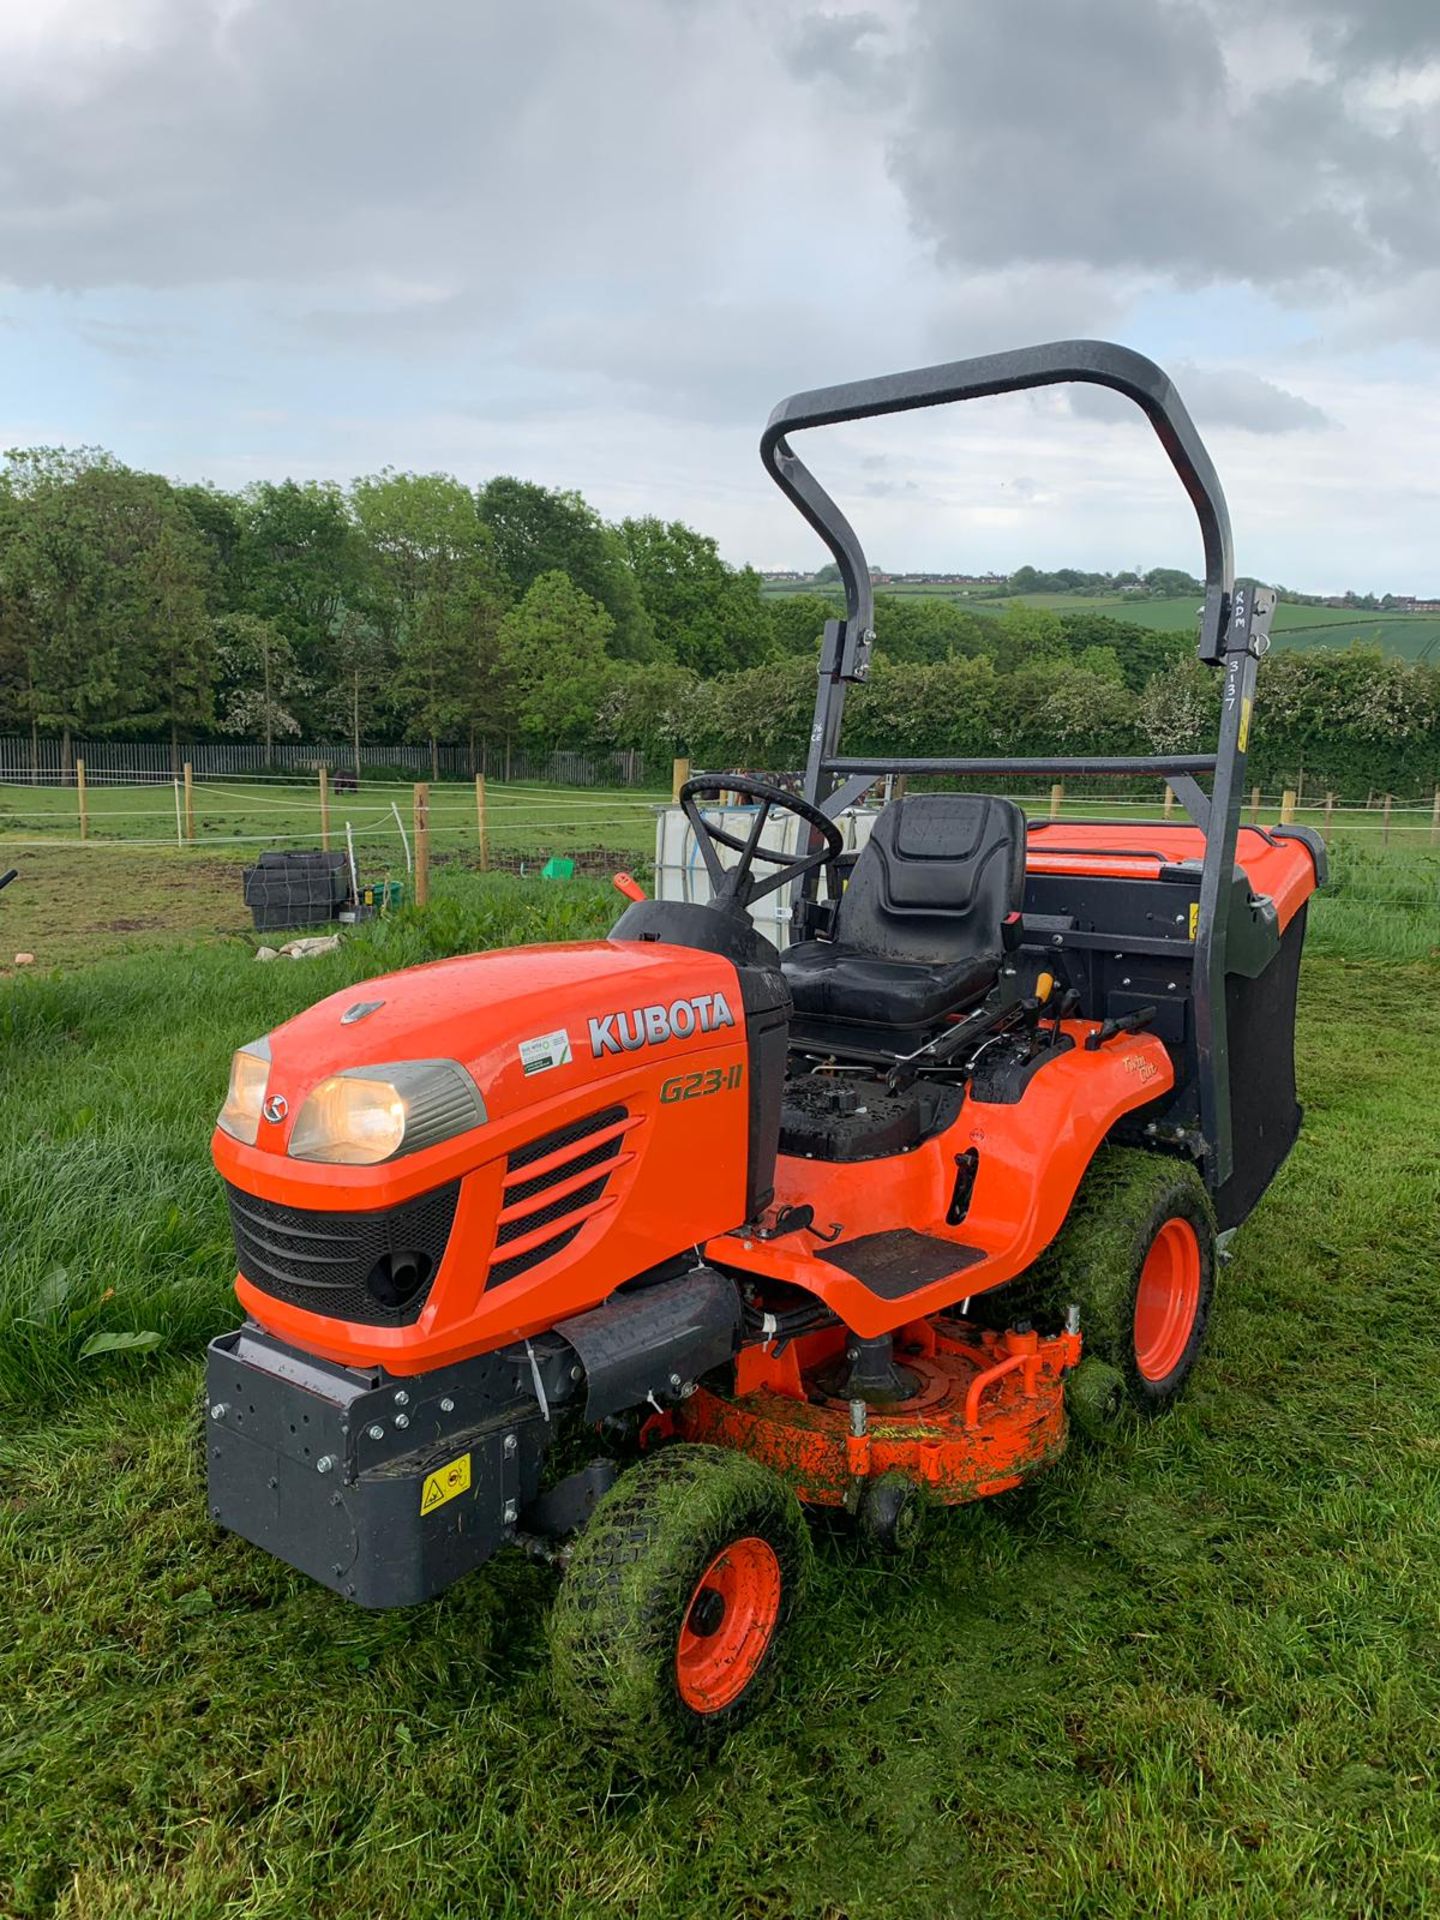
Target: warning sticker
x=1247, y=707
x=445, y=1483
x=546, y=1050
x=1194, y=918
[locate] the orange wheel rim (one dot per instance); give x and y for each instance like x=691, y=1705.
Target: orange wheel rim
x=1167, y=1300
x=730, y=1620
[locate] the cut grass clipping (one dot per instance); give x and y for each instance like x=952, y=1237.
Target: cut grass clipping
x=1189, y=1672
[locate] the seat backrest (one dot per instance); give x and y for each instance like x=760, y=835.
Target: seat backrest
x=937, y=876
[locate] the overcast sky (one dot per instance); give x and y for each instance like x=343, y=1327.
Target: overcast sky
x=592, y=242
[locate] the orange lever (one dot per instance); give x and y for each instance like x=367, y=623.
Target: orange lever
x=627, y=884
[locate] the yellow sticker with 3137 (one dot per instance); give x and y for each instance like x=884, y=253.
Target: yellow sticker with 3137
x=444, y=1483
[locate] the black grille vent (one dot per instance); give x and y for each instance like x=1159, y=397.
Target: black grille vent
x=527, y=1155
x=557, y=1210
x=582, y=1163
x=503, y=1270
x=519, y=1191
x=374, y=1268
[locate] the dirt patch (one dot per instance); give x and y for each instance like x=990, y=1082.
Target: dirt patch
x=73, y=905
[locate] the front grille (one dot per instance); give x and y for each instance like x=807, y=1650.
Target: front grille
x=546, y=1214
x=374, y=1268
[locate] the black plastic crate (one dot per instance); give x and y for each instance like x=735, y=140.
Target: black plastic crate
x=295, y=889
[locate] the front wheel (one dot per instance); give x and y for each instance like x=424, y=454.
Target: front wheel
x=669, y=1625
x=1137, y=1255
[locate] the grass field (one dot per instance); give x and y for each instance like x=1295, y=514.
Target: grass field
x=235, y=820
x=1191, y=1673
x=123, y=892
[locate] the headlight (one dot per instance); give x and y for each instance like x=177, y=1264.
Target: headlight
x=249, y=1070
x=369, y=1114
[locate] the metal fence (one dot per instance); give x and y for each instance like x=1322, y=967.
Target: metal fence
x=44, y=763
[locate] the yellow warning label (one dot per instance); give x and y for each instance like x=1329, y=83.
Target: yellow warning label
x=445, y=1483
x=1194, y=918
x=1245, y=711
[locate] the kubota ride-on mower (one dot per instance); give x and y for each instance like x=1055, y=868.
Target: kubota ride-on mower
x=728, y=1233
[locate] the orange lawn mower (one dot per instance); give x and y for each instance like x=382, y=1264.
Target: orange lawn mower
x=628, y=1251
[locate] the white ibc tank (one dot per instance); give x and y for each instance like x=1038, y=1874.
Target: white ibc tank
x=680, y=872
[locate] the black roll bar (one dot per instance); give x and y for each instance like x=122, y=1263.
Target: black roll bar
x=1234, y=630
x=1098, y=362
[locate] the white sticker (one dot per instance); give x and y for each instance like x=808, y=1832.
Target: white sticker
x=546, y=1050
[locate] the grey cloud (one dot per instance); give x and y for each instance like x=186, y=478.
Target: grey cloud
x=1216, y=397
x=1378, y=31
x=1098, y=132
x=985, y=313
x=284, y=143
x=849, y=47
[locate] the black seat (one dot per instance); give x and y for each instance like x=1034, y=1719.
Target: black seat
x=918, y=928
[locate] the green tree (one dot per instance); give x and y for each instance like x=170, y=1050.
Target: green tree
x=107, y=580
x=433, y=593
x=538, y=531
x=1026, y=637
x=1179, y=709
x=649, y=706
x=261, y=681
x=705, y=615
x=1141, y=651
x=925, y=627
x=171, y=629
x=297, y=563
x=555, y=650
x=361, y=679
x=758, y=718
x=216, y=518
x=797, y=621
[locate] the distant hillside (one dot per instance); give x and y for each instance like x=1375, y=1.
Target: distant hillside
x=1407, y=636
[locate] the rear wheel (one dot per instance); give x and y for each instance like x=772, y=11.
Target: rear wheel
x=670, y=1622
x=1138, y=1256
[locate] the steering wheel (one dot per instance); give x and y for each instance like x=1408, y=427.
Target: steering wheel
x=735, y=886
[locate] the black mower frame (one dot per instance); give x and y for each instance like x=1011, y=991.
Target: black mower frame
x=1234, y=634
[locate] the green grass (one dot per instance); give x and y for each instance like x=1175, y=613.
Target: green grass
x=1189, y=1673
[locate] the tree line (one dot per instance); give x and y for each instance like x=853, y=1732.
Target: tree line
x=412, y=606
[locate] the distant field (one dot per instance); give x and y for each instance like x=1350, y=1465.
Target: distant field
x=1408, y=636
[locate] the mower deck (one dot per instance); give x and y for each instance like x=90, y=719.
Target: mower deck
x=985, y=1411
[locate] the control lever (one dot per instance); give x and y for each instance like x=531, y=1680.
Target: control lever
x=1126, y=1023
x=627, y=884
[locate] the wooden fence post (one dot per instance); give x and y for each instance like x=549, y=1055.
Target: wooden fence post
x=1057, y=796
x=1169, y=800
x=421, y=824
x=1385, y=822
x=189, y=773
x=81, y=799
x=1287, y=807
x=1255, y=806
x=324, y=809
x=1435, y=820
x=480, y=822
x=1329, y=812
x=679, y=774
